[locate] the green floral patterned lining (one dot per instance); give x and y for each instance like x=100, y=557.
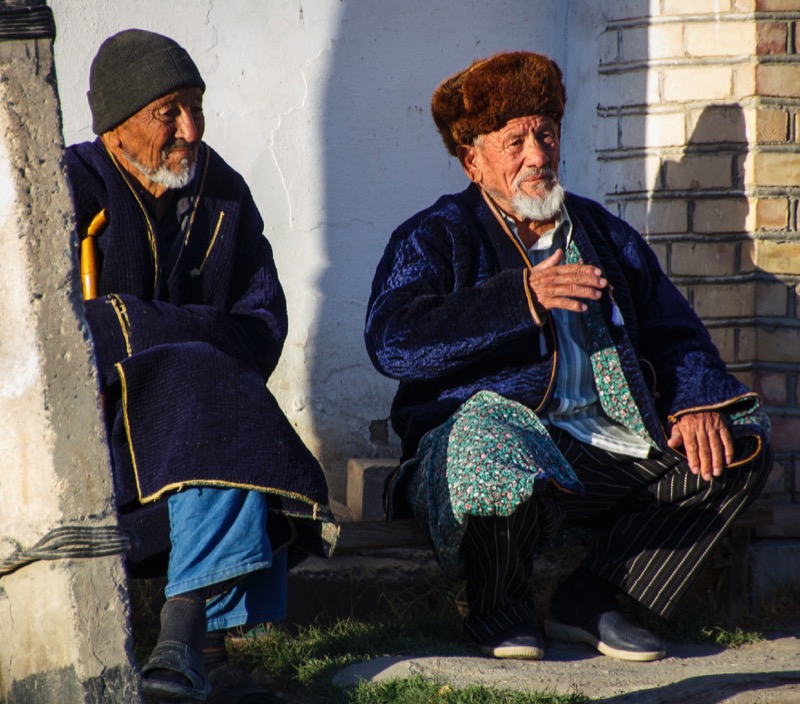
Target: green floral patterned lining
x=492, y=455
x=612, y=387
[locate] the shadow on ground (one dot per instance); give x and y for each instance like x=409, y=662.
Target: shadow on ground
x=771, y=688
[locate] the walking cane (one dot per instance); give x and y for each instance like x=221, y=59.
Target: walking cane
x=89, y=269
x=90, y=273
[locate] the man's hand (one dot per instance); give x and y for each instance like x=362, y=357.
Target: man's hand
x=564, y=286
x=706, y=441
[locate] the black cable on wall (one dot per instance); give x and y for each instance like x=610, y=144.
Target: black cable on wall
x=26, y=22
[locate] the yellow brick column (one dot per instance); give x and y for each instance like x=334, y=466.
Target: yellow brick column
x=702, y=102
x=772, y=182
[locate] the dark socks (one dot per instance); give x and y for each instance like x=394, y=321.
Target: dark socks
x=581, y=597
x=215, y=653
x=183, y=619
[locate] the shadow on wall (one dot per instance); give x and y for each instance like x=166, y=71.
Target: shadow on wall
x=713, y=262
x=698, y=210
x=751, y=313
x=384, y=161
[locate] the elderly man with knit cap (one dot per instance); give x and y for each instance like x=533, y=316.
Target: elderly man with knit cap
x=549, y=370
x=188, y=319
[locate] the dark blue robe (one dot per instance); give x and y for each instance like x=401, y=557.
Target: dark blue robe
x=449, y=316
x=184, y=350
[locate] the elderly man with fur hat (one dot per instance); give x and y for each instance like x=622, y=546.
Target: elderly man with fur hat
x=188, y=319
x=549, y=370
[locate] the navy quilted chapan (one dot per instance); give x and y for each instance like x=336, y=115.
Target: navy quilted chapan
x=184, y=352
x=448, y=316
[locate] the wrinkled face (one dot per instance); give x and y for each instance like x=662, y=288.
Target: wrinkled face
x=162, y=140
x=517, y=165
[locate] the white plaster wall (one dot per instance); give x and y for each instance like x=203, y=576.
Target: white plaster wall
x=323, y=106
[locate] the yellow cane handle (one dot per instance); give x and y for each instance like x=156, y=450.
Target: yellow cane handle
x=90, y=273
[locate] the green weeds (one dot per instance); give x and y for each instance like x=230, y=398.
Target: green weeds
x=416, y=690
x=302, y=665
x=301, y=662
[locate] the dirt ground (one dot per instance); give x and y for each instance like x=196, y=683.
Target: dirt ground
x=767, y=672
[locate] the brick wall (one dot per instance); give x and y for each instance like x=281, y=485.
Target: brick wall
x=699, y=143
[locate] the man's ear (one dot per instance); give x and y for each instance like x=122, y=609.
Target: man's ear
x=468, y=157
x=111, y=139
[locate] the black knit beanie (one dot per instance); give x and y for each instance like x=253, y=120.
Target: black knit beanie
x=134, y=68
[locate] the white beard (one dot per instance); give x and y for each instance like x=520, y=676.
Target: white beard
x=539, y=208
x=164, y=175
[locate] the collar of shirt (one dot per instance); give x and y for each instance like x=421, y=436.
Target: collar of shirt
x=545, y=243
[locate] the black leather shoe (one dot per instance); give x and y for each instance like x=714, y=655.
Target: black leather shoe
x=613, y=635
x=522, y=642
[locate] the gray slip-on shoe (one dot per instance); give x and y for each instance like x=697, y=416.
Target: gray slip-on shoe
x=611, y=634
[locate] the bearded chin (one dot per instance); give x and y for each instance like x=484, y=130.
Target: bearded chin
x=164, y=176
x=171, y=179
x=539, y=208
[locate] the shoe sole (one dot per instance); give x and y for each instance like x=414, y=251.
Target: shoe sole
x=165, y=693
x=573, y=634
x=513, y=652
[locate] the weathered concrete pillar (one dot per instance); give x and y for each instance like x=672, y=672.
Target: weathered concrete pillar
x=64, y=614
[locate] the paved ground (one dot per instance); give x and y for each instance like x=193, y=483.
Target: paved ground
x=763, y=673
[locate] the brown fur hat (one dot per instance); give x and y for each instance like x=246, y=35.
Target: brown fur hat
x=483, y=97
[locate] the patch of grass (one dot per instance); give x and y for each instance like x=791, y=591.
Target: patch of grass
x=301, y=665
x=417, y=690
x=727, y=638
x=307, y=660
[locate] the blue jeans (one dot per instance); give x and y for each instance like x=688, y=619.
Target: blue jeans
x=218, y=535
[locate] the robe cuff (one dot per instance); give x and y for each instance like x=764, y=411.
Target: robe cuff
x=739, y=406
x=747, y=421
x=106, y=319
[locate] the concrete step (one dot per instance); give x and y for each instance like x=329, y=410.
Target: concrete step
x=362, y=585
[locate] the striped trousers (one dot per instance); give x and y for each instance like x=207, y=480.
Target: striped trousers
x=657, y=526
